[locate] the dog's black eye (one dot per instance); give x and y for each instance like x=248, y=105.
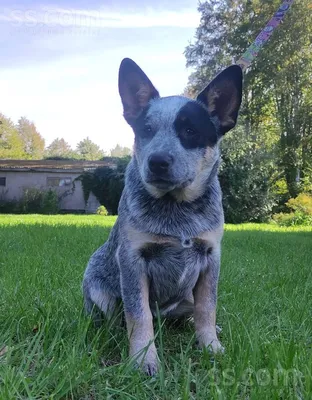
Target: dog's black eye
x=190, y=132
x=147, y=130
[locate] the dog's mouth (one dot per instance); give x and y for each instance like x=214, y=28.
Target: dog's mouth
x=162, y=184
x=168, y=185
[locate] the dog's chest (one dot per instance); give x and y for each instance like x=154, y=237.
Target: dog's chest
x=173, y=269
x=172, y=264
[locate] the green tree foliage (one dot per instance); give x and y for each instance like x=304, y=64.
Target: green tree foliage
x=33, y=142
x=87, y=150
x=11, y=145
x=120, y=151
x=59, y=148
x=276, y=110
x=245, y=179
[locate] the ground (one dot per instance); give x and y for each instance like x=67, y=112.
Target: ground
x=50, y=350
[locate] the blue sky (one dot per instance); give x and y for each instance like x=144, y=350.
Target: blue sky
x=59, y=61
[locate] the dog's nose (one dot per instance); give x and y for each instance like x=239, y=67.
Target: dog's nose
x=160, y=162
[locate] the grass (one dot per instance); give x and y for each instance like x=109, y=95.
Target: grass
x=50, y=350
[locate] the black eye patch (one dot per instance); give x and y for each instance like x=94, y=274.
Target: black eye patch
x=194, y=127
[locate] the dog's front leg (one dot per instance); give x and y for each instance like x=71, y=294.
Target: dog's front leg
x=205, y=301
x=135, y=296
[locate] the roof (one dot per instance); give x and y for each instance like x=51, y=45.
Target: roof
x=75, y=166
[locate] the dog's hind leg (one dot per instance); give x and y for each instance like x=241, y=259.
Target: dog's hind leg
x=105, y=301
x=97, y=300
x=100, y=286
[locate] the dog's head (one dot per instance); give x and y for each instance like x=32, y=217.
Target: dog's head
x=176, y=138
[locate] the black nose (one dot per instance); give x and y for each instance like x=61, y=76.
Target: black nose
x=160, y=162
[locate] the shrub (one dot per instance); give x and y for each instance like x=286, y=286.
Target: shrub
x=50, y=203
x=9, y=207
x=106, y=184
x=34, y=201
x=283, y=219
x=31, y=201
x=301, y=212
x=292, y=219
x=102, y=211
x=302, y=203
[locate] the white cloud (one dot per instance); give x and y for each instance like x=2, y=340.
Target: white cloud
x=74, y=94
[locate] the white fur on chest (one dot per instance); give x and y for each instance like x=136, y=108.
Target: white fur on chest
x=139, y=240
x=190, y=266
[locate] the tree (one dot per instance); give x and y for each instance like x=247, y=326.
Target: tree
x=11, y=145
x=59, y=148
x=277, y=98
x=33, y=142
x=245, y=178
x=119, y=151
x=88, y=150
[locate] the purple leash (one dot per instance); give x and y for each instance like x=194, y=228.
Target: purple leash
x=253, y=50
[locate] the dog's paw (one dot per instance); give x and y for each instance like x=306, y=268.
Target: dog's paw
x=216, y=347
x=150, y=368
x=147, y=360
x=212, y=344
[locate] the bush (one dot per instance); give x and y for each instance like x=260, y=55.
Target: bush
x=106, y=184
x=292, y=219
x=31, y=201
x=9, y=207
x=34, y=201
x=301, y=212
x=302, y=204
x=102, y=211
x=50, y=203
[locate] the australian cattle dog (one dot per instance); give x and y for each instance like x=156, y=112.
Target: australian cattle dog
x=164, y=249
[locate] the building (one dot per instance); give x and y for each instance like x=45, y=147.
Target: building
x=59, y=175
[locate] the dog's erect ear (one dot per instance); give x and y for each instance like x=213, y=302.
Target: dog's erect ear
x=223, y=97
x=135, y=89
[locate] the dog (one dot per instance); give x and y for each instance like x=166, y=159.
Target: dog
x=163, y=252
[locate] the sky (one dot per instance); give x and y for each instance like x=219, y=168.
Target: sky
x=59, y=61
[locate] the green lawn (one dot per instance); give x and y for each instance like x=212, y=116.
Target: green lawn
x=50, y=350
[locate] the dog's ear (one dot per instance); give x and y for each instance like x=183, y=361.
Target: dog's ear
x=135, y=89
x=223, y=97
